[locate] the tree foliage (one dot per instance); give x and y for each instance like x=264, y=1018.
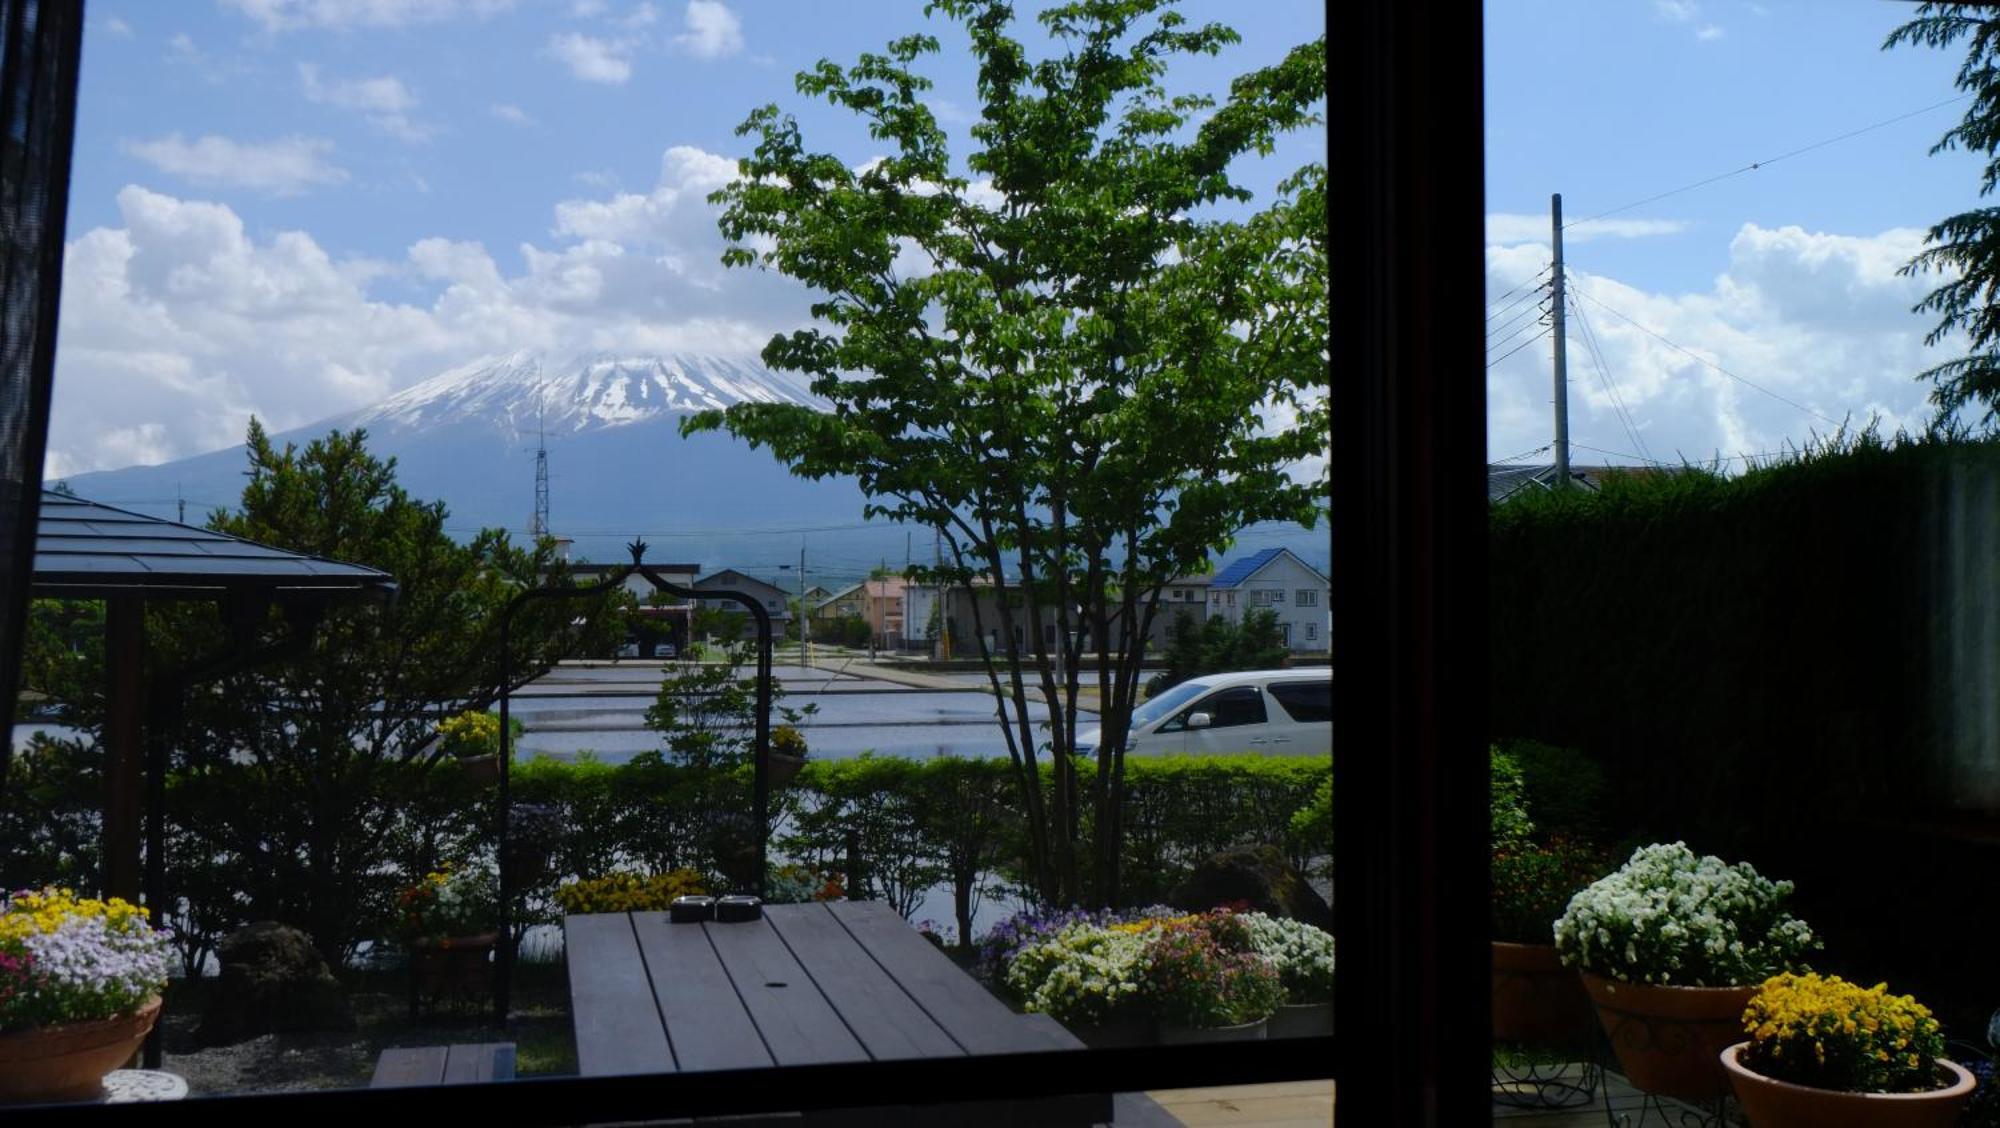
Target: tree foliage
x=1068, y=367
x=1219, y=645
x=1964, y=249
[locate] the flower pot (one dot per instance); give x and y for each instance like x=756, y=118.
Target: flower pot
x=1669, y=1040
x=1536, y=1000
x=68, y=1062
x=1116, y=1033
x=481, y=769
x=452, y=965
x=1770, y=1103
x=1188, y=1035
x=782, y=769
x=1301, y=1020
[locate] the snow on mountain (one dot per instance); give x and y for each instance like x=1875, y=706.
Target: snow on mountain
x=522, y=391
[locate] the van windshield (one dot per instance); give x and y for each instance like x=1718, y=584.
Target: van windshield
x=1165, y=704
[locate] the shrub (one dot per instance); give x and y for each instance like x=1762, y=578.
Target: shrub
x=1562, y=789
x=629, y=892
x=1533, y=884
x=795, y=884
x=68, y=959
x=1511, y=825
x=453, y=900
x=1668, y=917
x=1831, y=1034
x=1312, y=827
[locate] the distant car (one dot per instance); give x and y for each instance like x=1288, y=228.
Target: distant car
x=665, y=650
x=629, y=650
x=1286, y=712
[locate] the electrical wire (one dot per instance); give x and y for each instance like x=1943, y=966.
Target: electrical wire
x=1495, y=336
x=1753, y=166
x=1610, y=383
x=1523, y=454
x=1517, y=348
x=1535, y=291
x=1702, y=359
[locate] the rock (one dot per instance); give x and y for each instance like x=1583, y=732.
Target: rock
x=273, y=980
x=1258, y=877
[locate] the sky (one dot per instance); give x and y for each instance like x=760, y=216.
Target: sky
x=294, y=208
x=1784, y=277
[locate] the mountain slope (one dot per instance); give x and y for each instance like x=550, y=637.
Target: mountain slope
x=618, y=466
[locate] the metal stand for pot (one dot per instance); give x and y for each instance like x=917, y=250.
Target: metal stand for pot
x=1654, y=1109
x=1551, y=1082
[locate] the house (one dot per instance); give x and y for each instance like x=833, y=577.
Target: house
x=1507, y=481
x=878, y=602
x=946, y=624
x=775, y=599
x=1183, y=595
x=1278, y=581
x=682, y=574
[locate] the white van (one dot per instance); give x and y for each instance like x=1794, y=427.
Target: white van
x=1286, y=712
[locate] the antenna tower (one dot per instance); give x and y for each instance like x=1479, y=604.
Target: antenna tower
x=540, y=526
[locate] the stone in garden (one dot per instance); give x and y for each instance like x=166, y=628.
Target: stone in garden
x=272, y=980
x=1258, y=877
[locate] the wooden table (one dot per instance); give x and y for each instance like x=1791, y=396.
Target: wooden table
x=842, y=981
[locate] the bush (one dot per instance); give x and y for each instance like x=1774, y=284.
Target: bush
x=629, y=892
x=1562, y=789
x=1508, y=808
x=1534, y=882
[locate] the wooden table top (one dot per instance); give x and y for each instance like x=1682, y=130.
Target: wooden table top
x=832, y=982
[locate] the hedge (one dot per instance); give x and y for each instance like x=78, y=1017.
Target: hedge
x=891, y=827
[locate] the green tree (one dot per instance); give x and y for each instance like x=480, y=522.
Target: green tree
x=1069, y=369
x=1220, y=645
x=1964, y=249
x=317, y=776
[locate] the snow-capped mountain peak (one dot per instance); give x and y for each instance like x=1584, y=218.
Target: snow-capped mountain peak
x=518, y=392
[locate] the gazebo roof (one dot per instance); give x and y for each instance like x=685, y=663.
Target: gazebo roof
x=84, y=550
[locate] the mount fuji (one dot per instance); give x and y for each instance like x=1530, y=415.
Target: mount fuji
x=618, y=466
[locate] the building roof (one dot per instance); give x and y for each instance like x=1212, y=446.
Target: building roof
x=1503, y=482
x=86, y=550
x=606, y=569
x=1191, y=581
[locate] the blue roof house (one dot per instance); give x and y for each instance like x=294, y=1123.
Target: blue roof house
x=1276, y=580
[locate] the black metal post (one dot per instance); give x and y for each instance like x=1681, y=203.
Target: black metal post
x=504, y=957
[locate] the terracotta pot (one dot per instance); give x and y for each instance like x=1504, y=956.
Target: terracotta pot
x=481, y=769
x=1188, y=1035
x=68, y=1062
x=783, y=769
x=1538, y=1001
x=1669, y=1040
x=1780, y=1104
x=1302, y=1020
x=452, y=964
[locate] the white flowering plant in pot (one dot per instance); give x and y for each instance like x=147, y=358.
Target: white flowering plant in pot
x=1670, y=918
x=1302, y=954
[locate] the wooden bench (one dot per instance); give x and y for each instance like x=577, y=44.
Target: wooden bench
x=402, y=1066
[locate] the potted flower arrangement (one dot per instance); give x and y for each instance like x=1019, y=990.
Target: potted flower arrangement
x=473, y=739
x=1303, y=956
x=1829, y=1053
x=448, y=920
x=1536, y=1000
x=1204, y=983
x=788, y=754
x=80, y=985
x=1671, y=947
x=1087, y=977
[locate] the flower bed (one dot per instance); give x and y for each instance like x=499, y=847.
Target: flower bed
x=67, y=959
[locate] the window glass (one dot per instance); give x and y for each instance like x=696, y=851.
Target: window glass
x=1239, y=705
x=1305, y=701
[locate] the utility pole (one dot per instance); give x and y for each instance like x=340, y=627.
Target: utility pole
x=937, y=596
x=540, y=522
x=805, y=613
x=1561, y=444
x=182, y=502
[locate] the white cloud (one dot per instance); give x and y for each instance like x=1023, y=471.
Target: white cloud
x=179, y=323
x=591, y=59
x=644, y=15
x=344, y=15
x=181, y=48
x=1709, y=33
x=713, y=31
x=118, y=27
x=1679, y=11
x=383, y=100
x=1820, y=323
x=512, y=114
x=284, y=167
x=1514, y=227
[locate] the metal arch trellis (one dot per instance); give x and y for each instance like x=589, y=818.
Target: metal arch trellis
x=504, y=969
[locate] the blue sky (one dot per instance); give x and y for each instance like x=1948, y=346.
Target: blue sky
x=293, y=208
x=1784, y=276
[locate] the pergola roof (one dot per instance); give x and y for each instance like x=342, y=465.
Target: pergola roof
x=85, y=550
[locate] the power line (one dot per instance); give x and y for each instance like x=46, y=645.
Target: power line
x=1523, y=454
x=1704, y=360
x=1517, y=348
x=1753, y=166
x=1530, y=282
x=1610, y=383
x=1504, y=331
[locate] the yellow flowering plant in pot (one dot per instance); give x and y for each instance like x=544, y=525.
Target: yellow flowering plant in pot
x=1823, y=1051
